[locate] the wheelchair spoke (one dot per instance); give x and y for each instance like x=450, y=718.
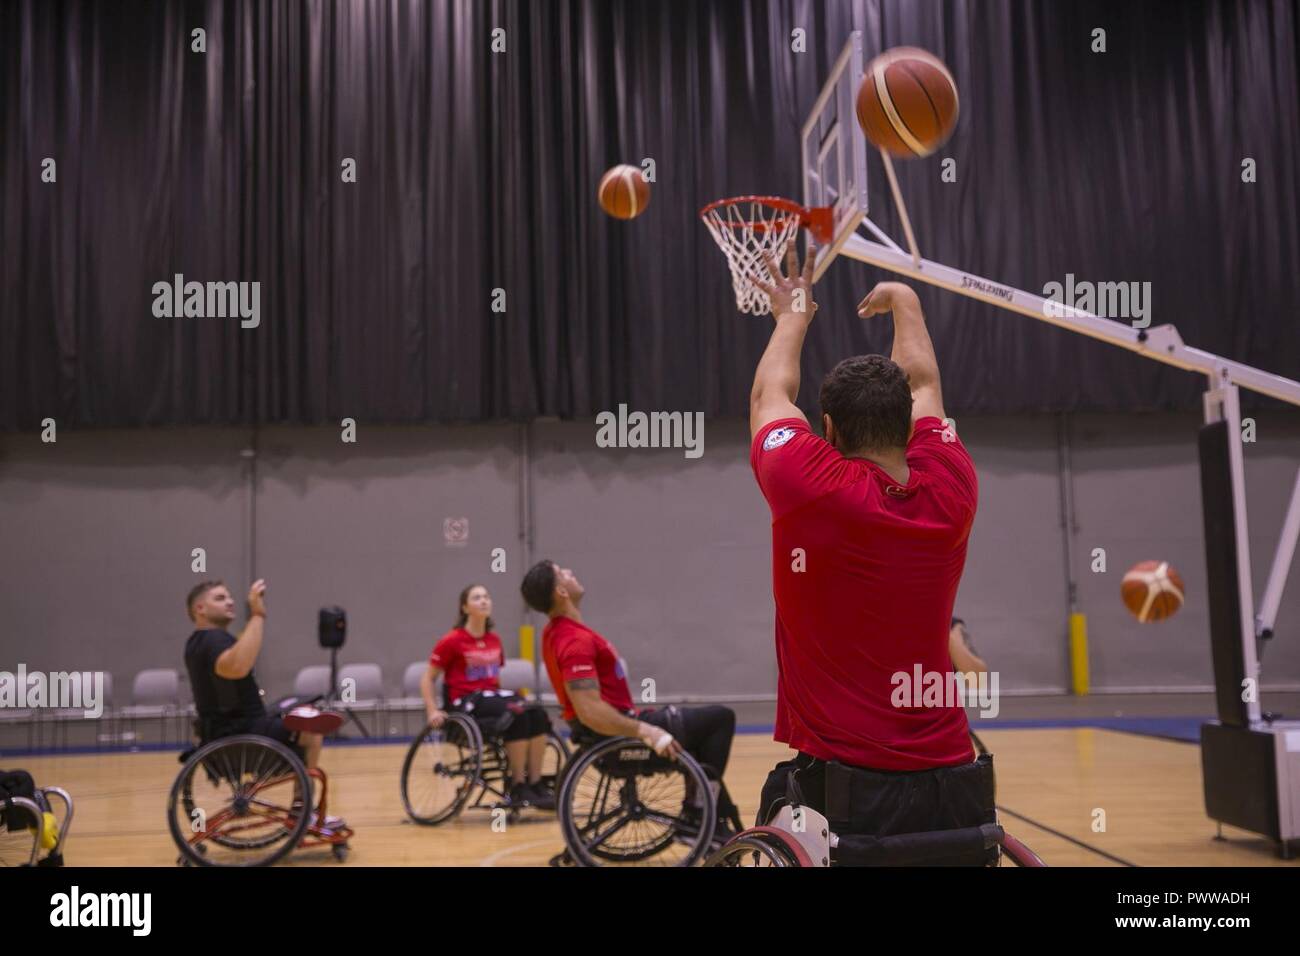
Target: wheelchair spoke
x=669, y=821
x=601, y=838
x=595, y=822
x=596, y=809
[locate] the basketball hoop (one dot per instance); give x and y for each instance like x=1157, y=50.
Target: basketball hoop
x=752, y=230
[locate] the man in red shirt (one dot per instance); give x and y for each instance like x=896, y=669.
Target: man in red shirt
x=869, y=532
x=589, y=680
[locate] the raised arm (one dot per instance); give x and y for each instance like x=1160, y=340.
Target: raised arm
x=776, y=380
x=236, y=661
x=913, y=351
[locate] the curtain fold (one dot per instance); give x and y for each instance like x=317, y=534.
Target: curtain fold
x=475, y=186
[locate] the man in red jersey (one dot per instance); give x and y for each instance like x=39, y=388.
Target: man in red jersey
x=869, y=532
x=591, y=685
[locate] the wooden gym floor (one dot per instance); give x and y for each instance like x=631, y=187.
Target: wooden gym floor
x=1052, y=785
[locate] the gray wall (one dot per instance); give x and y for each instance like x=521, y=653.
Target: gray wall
x=96, y=533
x=1137, y=485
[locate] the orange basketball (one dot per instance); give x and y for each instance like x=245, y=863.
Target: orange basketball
x=623, y=192
x=1152, y=590
x=907, y=104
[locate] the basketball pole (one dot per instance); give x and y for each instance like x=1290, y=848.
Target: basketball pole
x=1286, y=544
x=902, y=209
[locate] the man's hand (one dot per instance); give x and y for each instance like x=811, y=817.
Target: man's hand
x=257, y=598
x=884, y=297
x=437, y=717
x=659, y=740
x=776, y=380
x=791, y=294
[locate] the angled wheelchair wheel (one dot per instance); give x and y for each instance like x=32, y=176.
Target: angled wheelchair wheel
x=239, y=801
x=621, y=804
x=442, y=769
x=759, y=847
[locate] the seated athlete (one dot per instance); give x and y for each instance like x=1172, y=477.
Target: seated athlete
x=470, y=657
x=220, y=666
x=591, y=685
x=880, y=509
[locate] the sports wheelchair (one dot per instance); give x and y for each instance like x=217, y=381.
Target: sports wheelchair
x=30, y=833
x=246, y=800
x=620, y=803
x=799, y=836
x=461, y=764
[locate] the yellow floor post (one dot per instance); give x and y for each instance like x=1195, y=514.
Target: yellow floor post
x=1079, y=653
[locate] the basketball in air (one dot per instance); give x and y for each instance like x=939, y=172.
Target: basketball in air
x=1152, y=590
x=623, y=192
x=907, y=104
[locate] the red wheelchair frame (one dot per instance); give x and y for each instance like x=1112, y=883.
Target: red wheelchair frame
x=253, y=805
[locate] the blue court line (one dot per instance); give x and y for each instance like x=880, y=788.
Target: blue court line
x=1186, y=729
x=1183, y=729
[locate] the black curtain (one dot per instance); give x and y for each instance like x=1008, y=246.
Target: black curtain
x=477, y=171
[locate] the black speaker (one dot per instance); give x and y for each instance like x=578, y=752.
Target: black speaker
x=333, y=626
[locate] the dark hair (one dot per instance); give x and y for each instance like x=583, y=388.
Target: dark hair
x=197, y=592
x=869, y=402
x=461, y=616
x=538, y=587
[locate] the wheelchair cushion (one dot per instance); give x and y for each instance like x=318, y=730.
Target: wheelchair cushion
x=880, y=804
x=307, y=719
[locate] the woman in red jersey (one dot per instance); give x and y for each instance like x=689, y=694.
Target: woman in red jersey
x=469, y=657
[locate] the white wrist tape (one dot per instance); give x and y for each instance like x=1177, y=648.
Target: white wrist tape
x=658, y=739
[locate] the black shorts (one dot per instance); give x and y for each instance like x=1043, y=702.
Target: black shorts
x=857, y=801
x=525, y=721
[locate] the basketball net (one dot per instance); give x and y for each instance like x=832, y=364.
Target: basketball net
x=752, y=231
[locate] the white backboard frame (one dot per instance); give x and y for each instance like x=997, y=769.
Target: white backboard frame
x=835, y=152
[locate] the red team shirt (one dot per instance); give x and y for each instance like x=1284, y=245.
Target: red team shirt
x=573, y=651
x=875, y=597
x=468, y=663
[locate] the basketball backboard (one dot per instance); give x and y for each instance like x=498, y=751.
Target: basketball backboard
x=835, y=151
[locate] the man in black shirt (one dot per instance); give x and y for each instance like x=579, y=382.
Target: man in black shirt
x=220, y=665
